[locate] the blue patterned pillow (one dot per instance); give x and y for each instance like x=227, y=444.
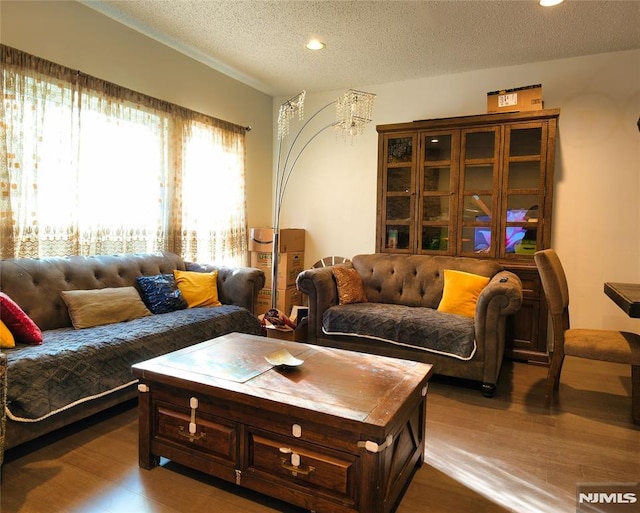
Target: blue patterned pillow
x=160, y=293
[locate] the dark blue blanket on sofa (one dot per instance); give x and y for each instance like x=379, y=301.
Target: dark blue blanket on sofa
x=72, y=366
x=418, y=327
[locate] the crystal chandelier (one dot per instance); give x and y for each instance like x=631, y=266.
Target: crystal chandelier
x=289, y=109
x=353, y=112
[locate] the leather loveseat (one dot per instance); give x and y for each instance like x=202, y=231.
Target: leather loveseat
x=400, y=316
x=75, y=373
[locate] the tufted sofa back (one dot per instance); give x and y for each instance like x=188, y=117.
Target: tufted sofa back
x=35, y=283
x=414, y=280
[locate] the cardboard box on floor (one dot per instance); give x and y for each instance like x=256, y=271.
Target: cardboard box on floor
x=289, y=266
x=297, y=335
x=286, y=299
x=516, y=99
x=291, y=240
x=299, y=316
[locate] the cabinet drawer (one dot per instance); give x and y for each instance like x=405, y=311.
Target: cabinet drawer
x=213, y=436
x=530, y=286
x=318, y=468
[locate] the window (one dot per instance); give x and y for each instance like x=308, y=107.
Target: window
x=92, y=168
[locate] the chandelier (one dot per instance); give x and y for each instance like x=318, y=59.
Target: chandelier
x=289, y=109
x=353, y=111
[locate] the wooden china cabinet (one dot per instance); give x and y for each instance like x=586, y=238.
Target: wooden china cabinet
x=477, y=186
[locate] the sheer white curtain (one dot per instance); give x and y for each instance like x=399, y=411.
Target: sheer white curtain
x=92, y=168
x=213, y=213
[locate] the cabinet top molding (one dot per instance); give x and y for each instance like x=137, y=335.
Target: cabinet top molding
x=466, y=121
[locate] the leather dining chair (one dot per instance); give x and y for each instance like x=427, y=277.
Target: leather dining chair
x=595, y=344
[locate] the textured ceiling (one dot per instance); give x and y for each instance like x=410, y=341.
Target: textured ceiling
x=262, y=42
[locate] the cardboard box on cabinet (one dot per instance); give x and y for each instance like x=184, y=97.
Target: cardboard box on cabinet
x=515, y=100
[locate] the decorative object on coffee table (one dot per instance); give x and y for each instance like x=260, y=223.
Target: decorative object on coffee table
x=283, y=358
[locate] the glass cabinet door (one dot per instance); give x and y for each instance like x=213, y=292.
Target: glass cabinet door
x=436, y=186
x=479, y=180
x=522, y=189
x=477, y=186
x=398, y=193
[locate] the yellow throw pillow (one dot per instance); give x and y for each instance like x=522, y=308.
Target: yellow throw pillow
x=461, y=292
x=95, y=307
x=198, y=289
x=6, y=338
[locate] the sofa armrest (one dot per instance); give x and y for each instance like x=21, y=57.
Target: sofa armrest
x=319, y=285
x=501, y=297
x=503, y=292
x=236, y=285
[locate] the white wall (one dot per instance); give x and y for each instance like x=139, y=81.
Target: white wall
x=78, y=37
x=596, y=221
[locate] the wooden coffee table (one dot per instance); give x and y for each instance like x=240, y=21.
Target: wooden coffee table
x=343, y=432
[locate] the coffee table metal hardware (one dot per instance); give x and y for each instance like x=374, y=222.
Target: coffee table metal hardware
x=294, y=467
x=192, y=437
x=374, y=446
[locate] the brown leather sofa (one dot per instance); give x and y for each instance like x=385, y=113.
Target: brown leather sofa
x=403, y=293
x=75, y=373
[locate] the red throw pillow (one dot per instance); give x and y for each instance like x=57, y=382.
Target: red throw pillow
x=19, y=323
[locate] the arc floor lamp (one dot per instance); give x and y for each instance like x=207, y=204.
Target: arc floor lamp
x=353, y=113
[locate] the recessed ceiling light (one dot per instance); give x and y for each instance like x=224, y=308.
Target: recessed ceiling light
x=550, y=3
x=315, y=44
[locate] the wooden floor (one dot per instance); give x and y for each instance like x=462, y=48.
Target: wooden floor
x=505, y=454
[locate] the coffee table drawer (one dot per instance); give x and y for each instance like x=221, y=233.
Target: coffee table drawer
x=213, y=436
x=313, y=467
